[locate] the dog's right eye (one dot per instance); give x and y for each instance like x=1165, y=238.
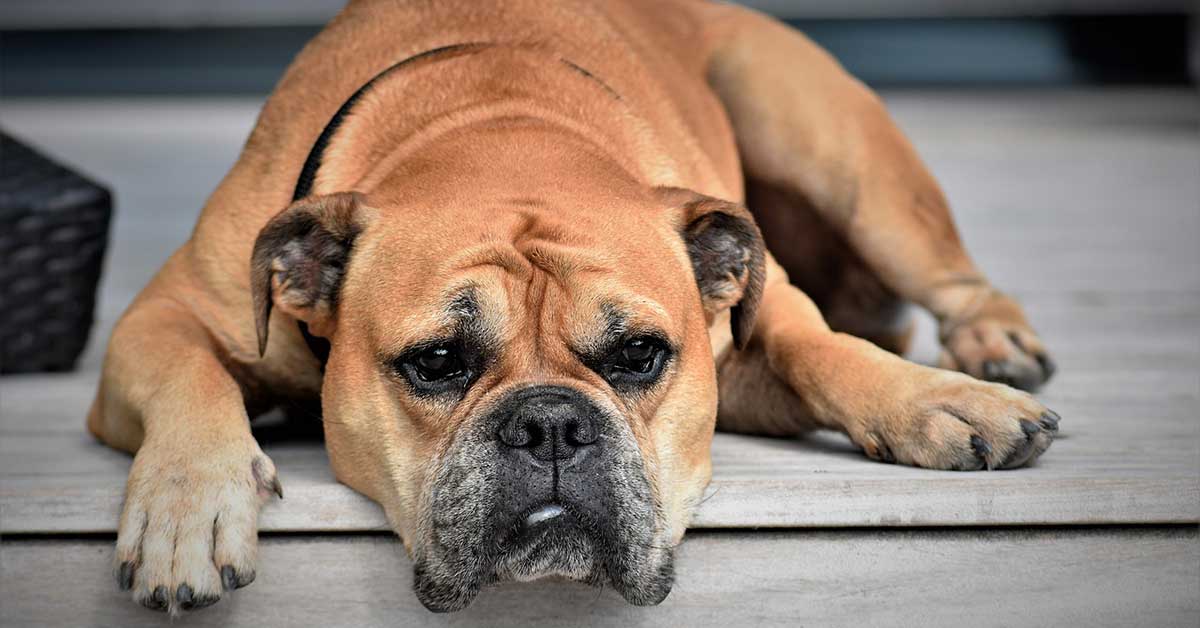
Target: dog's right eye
x=436, y=369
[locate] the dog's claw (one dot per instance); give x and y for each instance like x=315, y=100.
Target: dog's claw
x=982, y=449
x=162, y=596
x=125, y=576
x=1022, y=452
x=189, y=601
x=183, y=595
x=991, y=370
x=158, y=600
x=1048, y=366
x=228, y=578
x=231, y=579
x=203, y=601
x=1049, y=421
x=261, y=467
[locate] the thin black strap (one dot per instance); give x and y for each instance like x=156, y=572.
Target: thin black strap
x=308, y=174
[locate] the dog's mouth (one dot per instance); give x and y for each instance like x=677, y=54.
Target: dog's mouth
x=494, y=514
x=549, y=540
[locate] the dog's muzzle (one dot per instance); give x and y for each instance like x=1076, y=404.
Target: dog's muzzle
x=547, y=483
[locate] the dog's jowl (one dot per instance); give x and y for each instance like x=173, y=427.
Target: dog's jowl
x=529, y=257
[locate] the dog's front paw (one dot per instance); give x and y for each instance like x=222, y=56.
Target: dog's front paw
x=189, y=529
x=958, y=423
x=995, y=343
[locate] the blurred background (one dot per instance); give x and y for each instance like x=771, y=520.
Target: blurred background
x=1033, y=108
x=97, y=47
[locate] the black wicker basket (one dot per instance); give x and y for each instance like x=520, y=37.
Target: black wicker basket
x=53, y=230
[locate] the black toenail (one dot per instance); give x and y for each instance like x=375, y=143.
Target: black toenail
x=205, y=600
x=125, y=576
x=991, y=370
x=183, y=595
x=1029, y=427
x=160, y=598
x=1050, y=420
x=1048, y=367
x=228, y=578
x=982, y=449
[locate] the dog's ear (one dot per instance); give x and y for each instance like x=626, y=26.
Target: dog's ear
x=299, y=259
x=728, y=256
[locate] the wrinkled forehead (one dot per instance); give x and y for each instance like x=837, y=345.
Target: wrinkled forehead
x=516, y=275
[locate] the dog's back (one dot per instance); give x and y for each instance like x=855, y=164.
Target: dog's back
x=645, y=54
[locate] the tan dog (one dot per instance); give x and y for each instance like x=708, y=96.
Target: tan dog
x=515, y=229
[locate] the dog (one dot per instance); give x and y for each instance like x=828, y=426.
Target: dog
x=528, y=256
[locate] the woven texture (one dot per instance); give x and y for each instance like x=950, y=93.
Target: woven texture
x=53, y=230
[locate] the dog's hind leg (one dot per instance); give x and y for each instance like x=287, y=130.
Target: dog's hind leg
x=796, y=374
x=818, y=260
x=810, y=132
x=189, y=527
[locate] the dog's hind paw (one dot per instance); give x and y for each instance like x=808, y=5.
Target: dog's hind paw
x=996, y=344
x=189, y=528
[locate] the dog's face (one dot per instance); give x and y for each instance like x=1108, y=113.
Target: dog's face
x=524, y=383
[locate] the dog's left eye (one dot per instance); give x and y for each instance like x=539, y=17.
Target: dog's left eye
x=639, y=360
x=438, y=363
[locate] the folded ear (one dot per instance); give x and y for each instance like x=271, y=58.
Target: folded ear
x=728, y=257
x=299, y=259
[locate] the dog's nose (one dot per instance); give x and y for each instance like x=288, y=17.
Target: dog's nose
x=550, y=424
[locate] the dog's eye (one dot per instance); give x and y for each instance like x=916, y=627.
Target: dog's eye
x=638, y=355
x=437, y=369
x=639, y=360
x=438, y=363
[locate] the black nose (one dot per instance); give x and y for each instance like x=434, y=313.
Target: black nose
x=551, y=423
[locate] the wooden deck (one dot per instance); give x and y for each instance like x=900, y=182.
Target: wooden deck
x=1084, y=204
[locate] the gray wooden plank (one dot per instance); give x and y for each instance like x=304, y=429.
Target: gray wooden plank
x=1085, y=204
x=1092, y=577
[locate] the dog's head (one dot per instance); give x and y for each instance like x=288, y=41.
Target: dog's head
x=525, y=382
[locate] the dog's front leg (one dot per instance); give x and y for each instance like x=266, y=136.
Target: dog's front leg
x=188, y=531
x=897, y=411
